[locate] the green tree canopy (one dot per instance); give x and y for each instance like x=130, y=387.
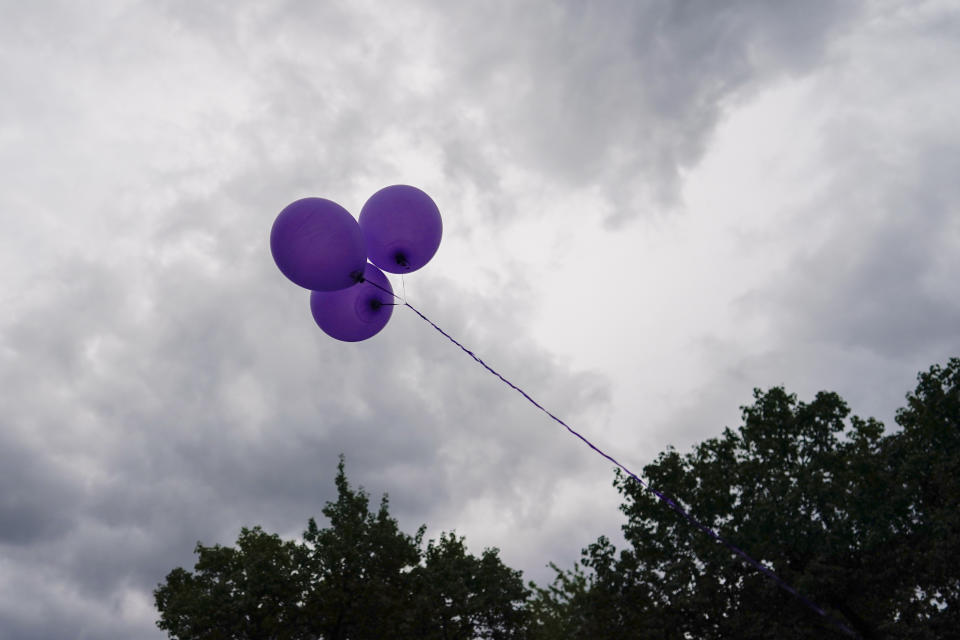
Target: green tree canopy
x=359, y=578
x=865, y=524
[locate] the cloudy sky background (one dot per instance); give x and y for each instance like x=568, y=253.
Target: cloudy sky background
x=650, y=208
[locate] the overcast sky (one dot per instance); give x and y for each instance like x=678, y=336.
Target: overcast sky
x=650, y=208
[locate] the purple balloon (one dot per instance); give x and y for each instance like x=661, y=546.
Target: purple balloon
x=318, y=245
x=356, y=313
x=402, y=228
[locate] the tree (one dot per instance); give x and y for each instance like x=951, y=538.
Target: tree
x=924, y=461
x=461, y=596
x=865, y=524
x=251, y=592
x=360, y=578
x=358, y=569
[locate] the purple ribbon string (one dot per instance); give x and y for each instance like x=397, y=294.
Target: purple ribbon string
x=664, y=498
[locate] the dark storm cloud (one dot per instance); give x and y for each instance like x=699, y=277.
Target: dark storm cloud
x=624, y=94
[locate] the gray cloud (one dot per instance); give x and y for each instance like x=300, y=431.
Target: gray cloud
x=878, y=272
x=865, y=293
x=624, y=95
x=194, y=399
x=620, y=95
x=34, y=505
x=888, y=289
x=163, y=384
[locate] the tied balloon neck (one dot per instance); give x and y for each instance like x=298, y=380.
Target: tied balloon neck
x=402, y=260
x=376, y=304
x=357, y=277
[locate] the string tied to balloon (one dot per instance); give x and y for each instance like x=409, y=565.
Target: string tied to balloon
x=670, y=502
x=318, y=245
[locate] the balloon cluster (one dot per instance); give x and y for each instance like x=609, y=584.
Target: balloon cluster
x=318, y=245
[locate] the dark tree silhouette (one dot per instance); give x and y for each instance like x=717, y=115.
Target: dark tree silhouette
x=359, y=578
x=866, y=524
